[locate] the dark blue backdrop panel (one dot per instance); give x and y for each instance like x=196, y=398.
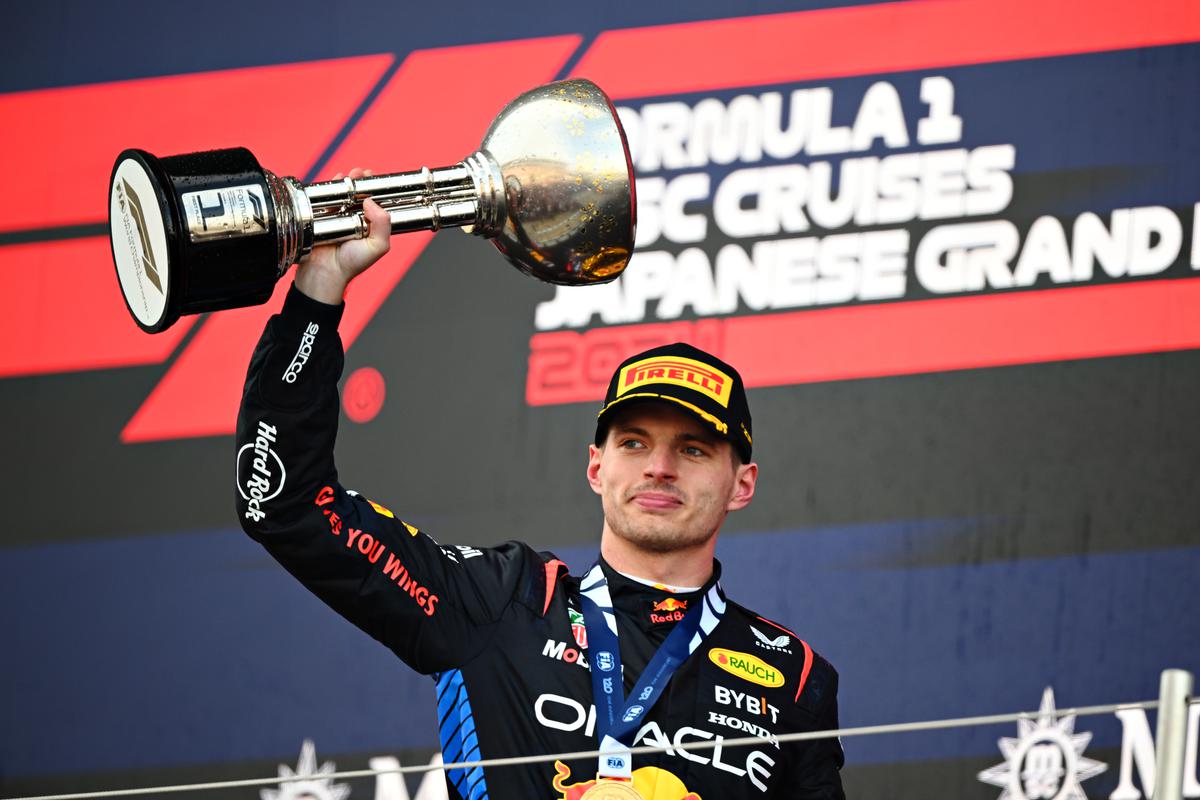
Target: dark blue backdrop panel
x=197, y=648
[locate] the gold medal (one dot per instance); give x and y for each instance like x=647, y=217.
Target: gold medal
x=608, y=789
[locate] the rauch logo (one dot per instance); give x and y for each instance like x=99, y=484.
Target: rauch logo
x=746, y=667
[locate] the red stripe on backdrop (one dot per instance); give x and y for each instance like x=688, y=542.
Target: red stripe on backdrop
x=415, y=122
x=60, y=144
x=412, y=123
x=62, y=310
x=966, y=332
x=861, y=40
x=890, y=339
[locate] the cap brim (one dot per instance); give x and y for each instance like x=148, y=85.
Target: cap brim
x=720, y=427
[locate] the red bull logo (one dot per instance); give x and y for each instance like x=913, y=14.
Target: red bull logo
x=671, y=609
x=651, y=783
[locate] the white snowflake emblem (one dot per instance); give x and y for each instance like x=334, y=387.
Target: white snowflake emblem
x=1045, y=761
x=311, y=781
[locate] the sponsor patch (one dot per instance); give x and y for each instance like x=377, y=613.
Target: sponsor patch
x=374, y=550
x=459, y=552
x=678, y=371
x=780, y=644
x=395, y=569
x=745, y=666
x=744, y=701
x=668, y=610
x=382, y=510
x=302, y=353
x=578, y=630
x=379, y=509
x=260, y=472
x=560, y=652
x=748, y=728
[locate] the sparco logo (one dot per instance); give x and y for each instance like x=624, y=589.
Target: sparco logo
x=260, y=472
x=302, y=353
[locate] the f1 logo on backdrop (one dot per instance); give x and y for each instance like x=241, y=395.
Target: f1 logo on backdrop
x=198, y=393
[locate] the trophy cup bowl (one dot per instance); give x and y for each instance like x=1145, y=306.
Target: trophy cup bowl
x=551, y=185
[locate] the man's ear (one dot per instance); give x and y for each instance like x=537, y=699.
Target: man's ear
x=593, y=468
x=745, y=478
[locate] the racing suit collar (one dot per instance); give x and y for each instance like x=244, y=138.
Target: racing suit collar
x=652, y=608
x=630, y=583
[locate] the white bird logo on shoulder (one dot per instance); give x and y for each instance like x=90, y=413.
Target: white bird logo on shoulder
x=779, y=643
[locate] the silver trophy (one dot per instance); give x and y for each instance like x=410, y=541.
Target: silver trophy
x=551, y=185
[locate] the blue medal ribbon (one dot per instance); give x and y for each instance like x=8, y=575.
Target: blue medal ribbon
x=617, y=720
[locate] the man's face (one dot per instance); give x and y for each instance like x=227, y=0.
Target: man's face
x=666, y=482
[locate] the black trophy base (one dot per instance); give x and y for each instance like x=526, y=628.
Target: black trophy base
x=192, y=233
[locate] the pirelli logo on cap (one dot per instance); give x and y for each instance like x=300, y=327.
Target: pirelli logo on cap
x=678, y=371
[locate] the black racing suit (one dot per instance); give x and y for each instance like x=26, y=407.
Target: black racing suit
x=498, y=628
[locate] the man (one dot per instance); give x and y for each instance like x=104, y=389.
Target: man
x=520, y=650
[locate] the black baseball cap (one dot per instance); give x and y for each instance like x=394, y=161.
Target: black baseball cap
x=690, y=378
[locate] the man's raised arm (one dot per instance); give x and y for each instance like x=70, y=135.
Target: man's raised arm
x=394, y=582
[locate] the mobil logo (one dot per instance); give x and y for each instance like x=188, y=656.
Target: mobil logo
x=560, y=652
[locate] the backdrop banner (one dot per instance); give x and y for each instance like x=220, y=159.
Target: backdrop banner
x=953, y=248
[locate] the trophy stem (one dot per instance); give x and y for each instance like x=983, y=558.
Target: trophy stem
x=423, y=182
x=411, y=215
x=423, y=199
